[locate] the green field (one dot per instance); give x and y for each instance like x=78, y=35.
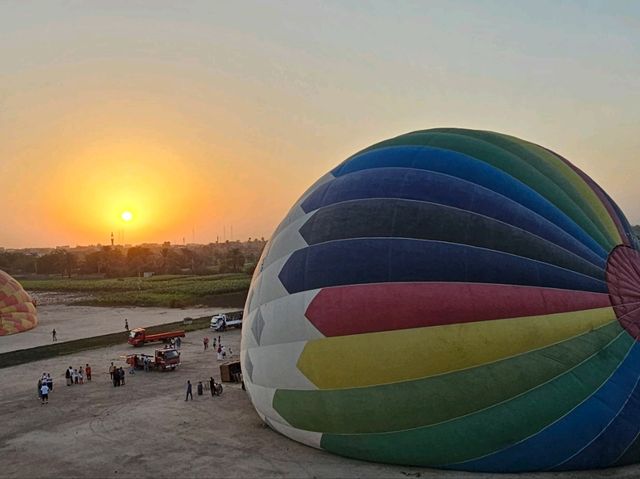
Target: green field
x=164, y=291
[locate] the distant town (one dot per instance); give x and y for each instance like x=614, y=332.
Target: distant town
x=113, y=260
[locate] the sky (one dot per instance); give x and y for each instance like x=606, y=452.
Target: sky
x=208, y=120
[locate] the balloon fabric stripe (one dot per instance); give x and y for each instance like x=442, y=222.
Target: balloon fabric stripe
x=560, y=174
x=396, y=218
x=431, y=187
x=469, y=169
x=449, y=395
x=510, y=164
x=570, y=433
x=356, y=309
x=483, y=431
x=362, y=359
x=388, y=260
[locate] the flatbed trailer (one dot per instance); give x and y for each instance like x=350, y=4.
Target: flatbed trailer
x=139, y=336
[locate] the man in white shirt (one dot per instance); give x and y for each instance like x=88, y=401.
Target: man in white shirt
x=44, y=393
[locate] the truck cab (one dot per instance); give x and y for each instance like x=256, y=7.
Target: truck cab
x=136, y=336
x=168, y=358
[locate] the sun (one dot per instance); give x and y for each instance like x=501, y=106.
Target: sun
x=126, y=216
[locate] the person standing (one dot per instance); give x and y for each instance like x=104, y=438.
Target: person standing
x=122, y=375
x=112, y=370
x=126, y=324
x=205, y=342
x=87, y=370
x=54, y=335
x=44, y=393
x=67, y=375
x=178, y=342
x=212, y=386
x=189, y=391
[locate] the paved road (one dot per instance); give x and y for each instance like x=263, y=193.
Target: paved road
x=76, y=322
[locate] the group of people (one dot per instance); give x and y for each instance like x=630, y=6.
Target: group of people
x=214, y=387
x=77, y=376
x=117, y=375
x=221, y=350
x=143, y=362
x=205, y=342
x=45, y=386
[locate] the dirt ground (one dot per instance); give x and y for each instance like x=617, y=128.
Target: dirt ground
x=146, y=429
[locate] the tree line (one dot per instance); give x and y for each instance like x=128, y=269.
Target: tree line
x=120, y=261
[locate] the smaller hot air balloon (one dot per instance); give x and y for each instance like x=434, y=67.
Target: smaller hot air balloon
x=17, y=311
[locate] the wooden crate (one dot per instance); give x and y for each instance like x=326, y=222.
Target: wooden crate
x=230, y=371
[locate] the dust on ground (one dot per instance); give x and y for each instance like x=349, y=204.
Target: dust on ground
x=146, y=429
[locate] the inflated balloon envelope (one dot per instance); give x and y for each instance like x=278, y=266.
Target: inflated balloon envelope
x=455, y=299
x=17, y=311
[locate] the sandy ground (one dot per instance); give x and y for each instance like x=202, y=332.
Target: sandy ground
x=75, y=322
x=146, y=429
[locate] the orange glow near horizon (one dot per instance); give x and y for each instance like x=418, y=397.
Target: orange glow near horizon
x=140, y=189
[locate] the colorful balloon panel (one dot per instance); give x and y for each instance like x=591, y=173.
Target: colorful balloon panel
x=455, y=299
x=17, y=311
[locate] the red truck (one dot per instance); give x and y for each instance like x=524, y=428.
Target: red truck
x=168, y=358
x=138, y=336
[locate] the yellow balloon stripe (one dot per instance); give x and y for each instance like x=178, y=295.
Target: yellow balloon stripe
x=402, y=355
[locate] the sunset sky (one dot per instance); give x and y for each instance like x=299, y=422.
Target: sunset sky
x=196, y=117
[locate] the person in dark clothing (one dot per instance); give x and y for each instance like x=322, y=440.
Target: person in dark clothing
x=212, y=386
x=122, y=375
x=189, y=391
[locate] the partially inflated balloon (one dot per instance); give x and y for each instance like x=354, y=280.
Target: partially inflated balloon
x=17, y=312
x=455, y=299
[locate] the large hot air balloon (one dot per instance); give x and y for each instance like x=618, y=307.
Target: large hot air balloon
x=455, y=299
x=17, y=311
